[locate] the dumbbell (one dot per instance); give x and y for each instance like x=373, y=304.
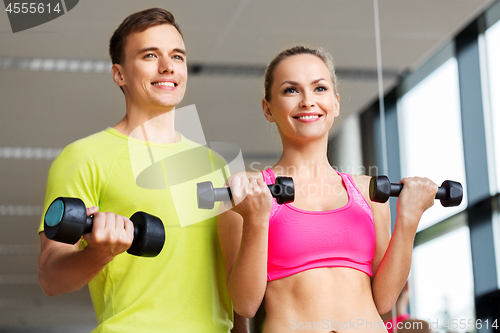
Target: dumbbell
x=450, y=193
x=282, y=190
x=66, y=221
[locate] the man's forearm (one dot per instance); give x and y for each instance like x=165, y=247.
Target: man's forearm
x=64, y=268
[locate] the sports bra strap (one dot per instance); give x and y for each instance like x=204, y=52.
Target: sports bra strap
x=270, y=179
x=355, y=193
x=269, y=176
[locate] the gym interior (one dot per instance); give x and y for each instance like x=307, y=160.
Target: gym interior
x=418, y=84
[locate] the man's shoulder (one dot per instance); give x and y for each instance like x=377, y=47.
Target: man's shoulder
x=100, y=143
x=100, y=148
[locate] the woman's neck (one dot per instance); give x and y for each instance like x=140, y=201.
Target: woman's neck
x=304, y=159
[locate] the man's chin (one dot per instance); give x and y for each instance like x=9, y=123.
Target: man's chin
x=167, y=104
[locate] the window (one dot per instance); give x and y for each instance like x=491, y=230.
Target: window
x=431, y=135
x=493, y=55
x=441, y=280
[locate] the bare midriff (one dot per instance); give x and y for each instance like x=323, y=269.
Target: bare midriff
x=337, y=299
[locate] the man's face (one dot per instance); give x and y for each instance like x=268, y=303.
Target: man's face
x=154, y=72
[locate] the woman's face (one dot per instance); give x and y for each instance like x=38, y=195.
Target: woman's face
x=303, y=101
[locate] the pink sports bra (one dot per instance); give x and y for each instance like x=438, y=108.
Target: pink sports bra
x=300, y=240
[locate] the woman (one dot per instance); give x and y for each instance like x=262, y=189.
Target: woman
x=326, y=262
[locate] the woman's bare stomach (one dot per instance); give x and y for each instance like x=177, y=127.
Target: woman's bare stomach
x=322, y=300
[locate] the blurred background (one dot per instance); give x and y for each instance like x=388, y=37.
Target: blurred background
x=440, y=82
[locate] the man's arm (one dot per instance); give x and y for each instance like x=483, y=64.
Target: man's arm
x=64, y=268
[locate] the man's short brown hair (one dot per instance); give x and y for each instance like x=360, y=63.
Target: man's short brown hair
x=137, y=22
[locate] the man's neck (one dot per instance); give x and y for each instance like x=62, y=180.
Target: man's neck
x=155, y=127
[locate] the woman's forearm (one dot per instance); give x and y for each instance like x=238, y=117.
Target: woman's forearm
x=248, y=279
x=394, y=268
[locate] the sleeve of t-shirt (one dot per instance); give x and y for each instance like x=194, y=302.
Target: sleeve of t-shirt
x=71, y=175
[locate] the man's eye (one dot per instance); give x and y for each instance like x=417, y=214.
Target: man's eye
x=179, y=57
x=149, y=56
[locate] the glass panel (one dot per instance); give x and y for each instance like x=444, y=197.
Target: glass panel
x=493, y=54
x=431, y=135
x=441, y=282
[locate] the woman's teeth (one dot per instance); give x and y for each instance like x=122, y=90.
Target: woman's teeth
x=308, y=117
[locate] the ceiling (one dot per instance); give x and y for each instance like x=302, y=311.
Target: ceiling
x=228, y=44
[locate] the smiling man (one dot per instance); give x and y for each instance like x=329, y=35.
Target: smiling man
x=182, y=289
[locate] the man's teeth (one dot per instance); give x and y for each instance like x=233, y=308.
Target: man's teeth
x=166, y=84
x=308, y=117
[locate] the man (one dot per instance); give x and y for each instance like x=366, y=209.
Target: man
x=182, y=289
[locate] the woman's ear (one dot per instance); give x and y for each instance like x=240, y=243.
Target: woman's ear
x=336, y=106
x=116, y=72
x=267, y=111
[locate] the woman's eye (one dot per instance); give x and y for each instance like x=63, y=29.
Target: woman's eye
x=321, y=88
x=290, y=90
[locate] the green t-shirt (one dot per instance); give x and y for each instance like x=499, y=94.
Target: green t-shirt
x=183, y=288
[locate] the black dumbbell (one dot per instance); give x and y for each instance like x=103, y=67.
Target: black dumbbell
x=66, y=221
x=450, y=193
x=283, y=191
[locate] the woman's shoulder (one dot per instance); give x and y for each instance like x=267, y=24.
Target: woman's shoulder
x=362, y=182
x=379, y=209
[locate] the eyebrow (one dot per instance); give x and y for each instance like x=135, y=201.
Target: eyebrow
x=296, y=83
x=154, y=48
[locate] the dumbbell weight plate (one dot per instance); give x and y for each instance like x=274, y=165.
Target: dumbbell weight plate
x=74, y=220
x=149, y=235
x=287, y=187
x=455, y=191
x=380, y=188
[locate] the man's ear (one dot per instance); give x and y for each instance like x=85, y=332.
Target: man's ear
x=267, y=111
x=116, y=72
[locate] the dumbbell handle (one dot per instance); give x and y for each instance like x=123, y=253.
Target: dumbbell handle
x=66, y=221
x=450, y=192
x=89, y=223
x=283, y=191
x=221, y=194
x=397, y=188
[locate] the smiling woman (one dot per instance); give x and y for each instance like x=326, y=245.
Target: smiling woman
x=326, y=263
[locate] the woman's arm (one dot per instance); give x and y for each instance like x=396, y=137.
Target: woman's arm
x=392, y=258
x=243, y=239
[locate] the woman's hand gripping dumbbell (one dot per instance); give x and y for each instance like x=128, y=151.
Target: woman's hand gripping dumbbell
x=283, y=190
x=450, y=193
x=66, y=221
